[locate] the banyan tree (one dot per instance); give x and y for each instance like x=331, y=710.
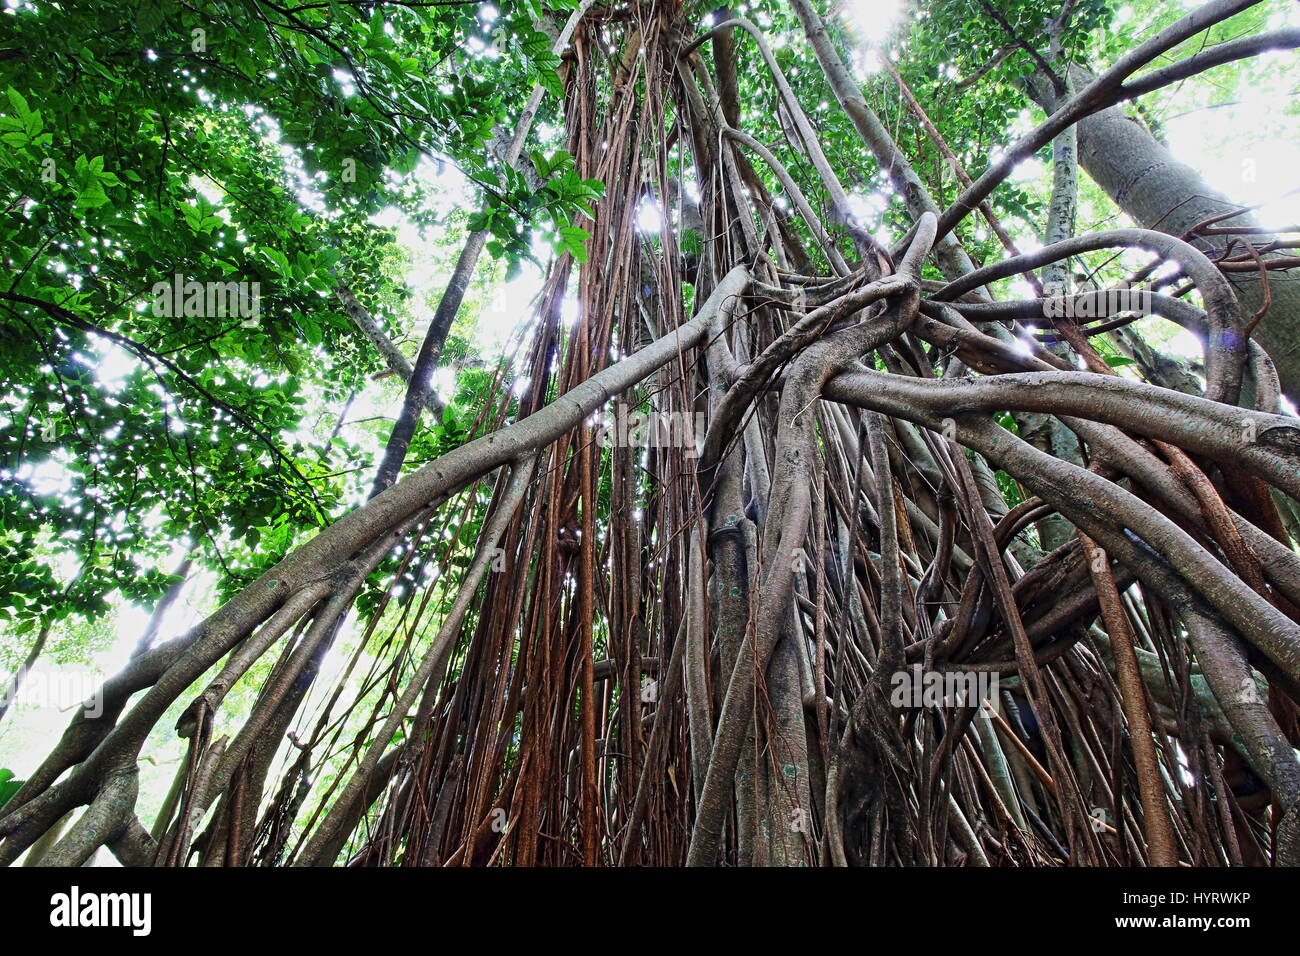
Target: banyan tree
x=673, y=582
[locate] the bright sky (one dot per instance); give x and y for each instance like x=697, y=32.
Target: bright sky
x=874, y=19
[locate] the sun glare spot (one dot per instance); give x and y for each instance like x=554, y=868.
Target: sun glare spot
x=648, y=218
x=873, y=19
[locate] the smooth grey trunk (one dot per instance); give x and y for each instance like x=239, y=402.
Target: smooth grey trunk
x=420, y=383
x=182, y=574
x=1047, y=432
x=1158, y=192
x=11, y=691
x=369, y=326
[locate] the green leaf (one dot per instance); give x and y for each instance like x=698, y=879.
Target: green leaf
x=573, y=241
x=19, y=103
x=279, y=260
x=8, y=785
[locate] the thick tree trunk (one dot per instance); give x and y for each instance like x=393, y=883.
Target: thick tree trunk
x=1159, y=192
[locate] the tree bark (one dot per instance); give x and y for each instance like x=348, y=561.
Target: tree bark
x=1150, y=185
